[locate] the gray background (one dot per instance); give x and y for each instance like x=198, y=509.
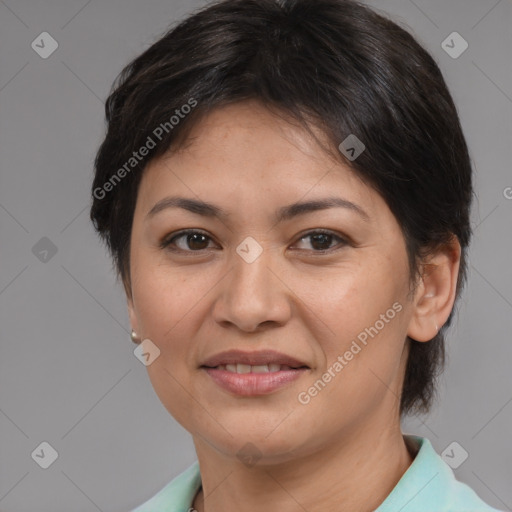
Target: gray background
x=68, y=375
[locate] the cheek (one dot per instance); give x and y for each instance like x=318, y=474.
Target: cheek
x=363, y=309
x=165, y=295
x=351, y=299
x=168, y=302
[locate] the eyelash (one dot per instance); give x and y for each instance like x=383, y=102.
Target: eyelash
x=168, y=241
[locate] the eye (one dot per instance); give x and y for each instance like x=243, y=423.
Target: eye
x=196, y=241
x=191, y=241
x=321, y=240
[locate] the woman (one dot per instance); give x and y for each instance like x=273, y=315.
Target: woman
x=285, y=189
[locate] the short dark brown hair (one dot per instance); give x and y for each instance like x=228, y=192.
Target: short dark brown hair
x=334, y=64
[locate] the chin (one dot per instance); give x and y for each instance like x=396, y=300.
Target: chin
x=256, y=442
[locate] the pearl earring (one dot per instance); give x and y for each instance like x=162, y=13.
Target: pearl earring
x=134, y=337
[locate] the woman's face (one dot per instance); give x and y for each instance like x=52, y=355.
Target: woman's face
x=337, y=303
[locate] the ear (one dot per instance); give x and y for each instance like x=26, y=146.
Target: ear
x=131, y=308
x=133, y=317
x=435, y=294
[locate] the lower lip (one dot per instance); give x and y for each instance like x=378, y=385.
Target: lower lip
x=253, y=384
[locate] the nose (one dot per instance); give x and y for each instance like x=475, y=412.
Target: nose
x=253, y=295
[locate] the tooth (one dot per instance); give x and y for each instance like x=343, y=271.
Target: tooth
x=231, y=368
x=263, y=368
x=243, y=368
x=273, y=367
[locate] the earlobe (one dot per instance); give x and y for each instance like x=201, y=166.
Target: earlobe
x=436, y=293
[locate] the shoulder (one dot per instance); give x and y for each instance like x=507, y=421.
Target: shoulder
x=430, y=485
x=177, y=495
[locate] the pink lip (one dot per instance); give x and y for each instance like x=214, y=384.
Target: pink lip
x=252, y=384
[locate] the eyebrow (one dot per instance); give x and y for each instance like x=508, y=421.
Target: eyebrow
x=283, y=214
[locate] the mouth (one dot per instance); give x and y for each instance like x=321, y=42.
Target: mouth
x=254, y=383
x=253, y=373
x=242, y=368
x=260, y=361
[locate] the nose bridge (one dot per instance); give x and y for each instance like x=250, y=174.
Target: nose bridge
x=252, y=293
x=251, y=262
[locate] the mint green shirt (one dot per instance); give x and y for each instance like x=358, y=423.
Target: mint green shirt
x=428, y=485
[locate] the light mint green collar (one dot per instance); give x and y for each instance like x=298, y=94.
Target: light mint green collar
x=429, y=484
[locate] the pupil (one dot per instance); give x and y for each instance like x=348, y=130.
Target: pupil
x=192, y=240
x=322, y=237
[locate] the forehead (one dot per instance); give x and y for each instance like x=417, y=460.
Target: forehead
x=248, y=125
x=244, y=153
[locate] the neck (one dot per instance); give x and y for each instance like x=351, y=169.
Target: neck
x=355, y=473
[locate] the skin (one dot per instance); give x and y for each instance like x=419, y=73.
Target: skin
x=344, y=450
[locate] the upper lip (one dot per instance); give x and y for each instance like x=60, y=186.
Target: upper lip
x=255, y=358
